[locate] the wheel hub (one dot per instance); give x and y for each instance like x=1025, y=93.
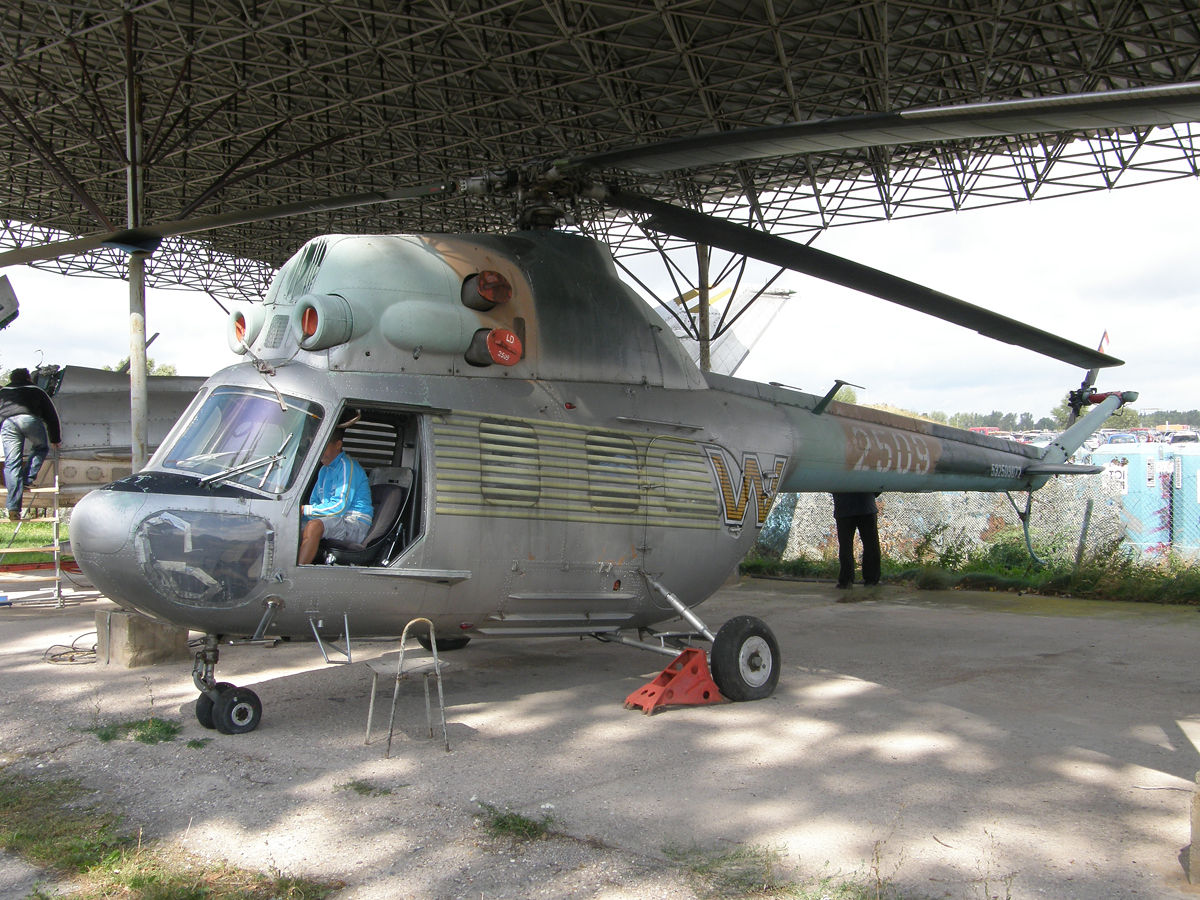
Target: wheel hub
x=754, y=661
x=241, y=713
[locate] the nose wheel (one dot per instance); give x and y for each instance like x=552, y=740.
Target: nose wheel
x=206, y=701
x=222, y=706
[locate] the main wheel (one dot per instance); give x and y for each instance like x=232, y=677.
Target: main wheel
x=237, y=711
x=204, y=704
x=745, y=659
x=444, y=643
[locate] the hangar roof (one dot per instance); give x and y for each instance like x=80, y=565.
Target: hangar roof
x=244, y=103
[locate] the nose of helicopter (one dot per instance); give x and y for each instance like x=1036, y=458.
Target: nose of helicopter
x=161, y=552
x=102, y=525
x=102, y=522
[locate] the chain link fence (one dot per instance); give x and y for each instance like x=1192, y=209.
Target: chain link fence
x=1147, y=501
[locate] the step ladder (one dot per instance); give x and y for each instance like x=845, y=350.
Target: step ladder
x=55, y=517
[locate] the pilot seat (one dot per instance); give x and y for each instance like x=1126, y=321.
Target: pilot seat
x=391, y=487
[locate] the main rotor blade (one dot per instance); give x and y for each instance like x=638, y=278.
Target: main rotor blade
x=148, y=236
x=703, y=229
x=1135, y=108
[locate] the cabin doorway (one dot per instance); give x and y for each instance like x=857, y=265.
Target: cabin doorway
x=387, y=442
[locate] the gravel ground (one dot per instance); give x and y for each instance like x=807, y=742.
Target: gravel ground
x=952, y=744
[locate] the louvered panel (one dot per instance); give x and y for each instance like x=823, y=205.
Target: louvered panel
x=371, y=443
x=523, y=469
x=684, y=475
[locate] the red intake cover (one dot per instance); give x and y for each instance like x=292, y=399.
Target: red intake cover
x=504, y=347
x=494, y=287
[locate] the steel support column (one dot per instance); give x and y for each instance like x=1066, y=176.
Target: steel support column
x=139, y=409
x=139, y=412
x=703, y=326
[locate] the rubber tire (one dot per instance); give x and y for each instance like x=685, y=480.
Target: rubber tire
x=238, y=711
x=444, y=644
x=745, y=659
x=204, y=705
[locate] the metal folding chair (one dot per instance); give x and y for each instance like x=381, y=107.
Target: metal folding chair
x=423, y=667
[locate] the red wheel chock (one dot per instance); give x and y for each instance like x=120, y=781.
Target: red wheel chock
x=685, y=682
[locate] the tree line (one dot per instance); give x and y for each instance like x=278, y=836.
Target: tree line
x=1125, y=418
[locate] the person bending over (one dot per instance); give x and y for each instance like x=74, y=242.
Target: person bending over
x=27, y=415
x=339, y=507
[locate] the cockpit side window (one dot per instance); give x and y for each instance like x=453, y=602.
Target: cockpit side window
x=248, y=437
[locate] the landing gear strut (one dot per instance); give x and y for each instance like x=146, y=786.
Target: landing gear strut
x=223, y=706
x=744, y=661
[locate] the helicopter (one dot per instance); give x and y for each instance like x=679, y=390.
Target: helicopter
x=545, y=457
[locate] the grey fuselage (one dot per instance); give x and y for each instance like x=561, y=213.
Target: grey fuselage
x=543, y=492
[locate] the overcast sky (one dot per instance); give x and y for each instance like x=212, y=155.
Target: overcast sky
x=1127, y=261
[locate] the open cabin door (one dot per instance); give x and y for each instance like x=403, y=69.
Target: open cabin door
x=387, y=443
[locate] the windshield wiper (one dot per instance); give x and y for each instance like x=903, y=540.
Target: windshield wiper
x=199, y=458
x=278, y=456
x=248, y=467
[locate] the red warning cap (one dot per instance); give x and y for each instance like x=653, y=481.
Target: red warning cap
x=494, y=287
x=504, y=347
x=308, y=322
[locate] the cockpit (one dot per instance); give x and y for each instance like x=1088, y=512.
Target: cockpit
x=252, y=438
x=254, y=442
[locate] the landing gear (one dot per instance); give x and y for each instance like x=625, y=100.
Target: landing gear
x=221, y=705
x=237, y=711
x=745, y=659
x=205, y=702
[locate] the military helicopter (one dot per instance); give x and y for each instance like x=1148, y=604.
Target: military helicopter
x=545, y=458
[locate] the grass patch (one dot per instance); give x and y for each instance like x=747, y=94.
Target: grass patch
x=43, y=822
x=503, y=823
x=146, y=731
x=46, y=823
x=940, y=562
x=32, y=534
x=802, y=567
x=198, y=743
x=749, y=871
x=755, y=871
x=151, y=875
x=366, y=789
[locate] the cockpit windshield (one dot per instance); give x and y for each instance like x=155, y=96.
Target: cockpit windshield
x=253, y=438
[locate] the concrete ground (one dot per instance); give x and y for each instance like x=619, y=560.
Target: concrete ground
x=954, y=744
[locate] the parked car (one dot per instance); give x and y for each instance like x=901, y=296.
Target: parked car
x=1185, y=437
x=1121, y=438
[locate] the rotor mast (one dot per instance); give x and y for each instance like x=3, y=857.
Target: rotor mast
x=703, y=326
x=138, y=394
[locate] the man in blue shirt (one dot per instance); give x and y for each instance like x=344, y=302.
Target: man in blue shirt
x=339, y=507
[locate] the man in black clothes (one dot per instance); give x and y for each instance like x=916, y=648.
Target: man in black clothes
x=27, y=415
x=857, y=512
